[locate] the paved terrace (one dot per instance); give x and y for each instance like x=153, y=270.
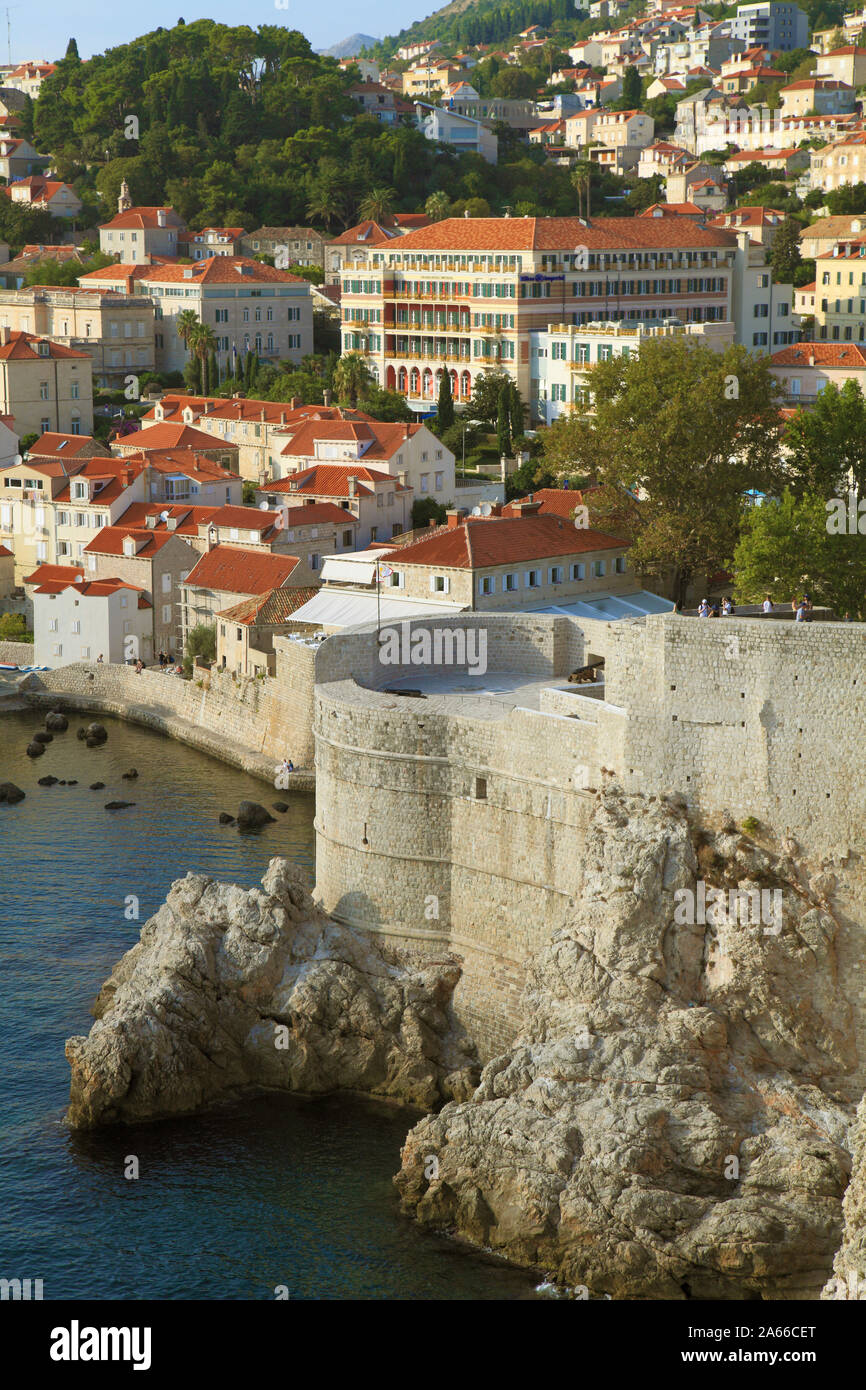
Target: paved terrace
x=488, y=696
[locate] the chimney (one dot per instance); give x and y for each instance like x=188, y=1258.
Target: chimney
x=401, y=477
x=527, y=508
x=264, y=416
x=454, y=517
x=4, y=334
x=151, y=520
x=352, y=484
x=327, y=397
x=295, y=403
x=171, y=523
x=126, y=476
x=161, y=219
x=282, y=417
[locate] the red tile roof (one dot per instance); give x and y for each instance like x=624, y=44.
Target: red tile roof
x=95, y=588
x=54, y=574
x=125, y=275
x=234, y=270
x=272, y=608
x=250, y=518
x=236, y=571
x=383, y=440
x=185, y=461
x=143, y=218
x=165, y=435
x=504, y=541
x=65, y=445
x=332, y=479
x=825, y=355
x=109, y=541
x=19, y=348
x=555, y=501
x=187, y=518
x=114, y=474
x=556, y=234
x=312, y=513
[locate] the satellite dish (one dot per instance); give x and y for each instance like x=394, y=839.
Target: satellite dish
x=263, y=506
x=163, y=516
x=486, y=509
x=18, y=458
x=79, y=579
x=476, y=511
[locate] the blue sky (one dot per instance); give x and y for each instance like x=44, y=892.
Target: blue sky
x=43, y=30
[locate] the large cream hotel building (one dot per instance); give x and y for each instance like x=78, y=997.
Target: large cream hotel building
x=466, y=293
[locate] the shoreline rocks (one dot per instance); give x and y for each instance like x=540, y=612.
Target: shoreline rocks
x=231, y=989
x=672, y=1120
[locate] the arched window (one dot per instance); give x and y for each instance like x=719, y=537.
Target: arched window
x=416, y=381
x=402, y=380
x=454, y=388
x=428, y=383
x=391, y=379
x=465, y=386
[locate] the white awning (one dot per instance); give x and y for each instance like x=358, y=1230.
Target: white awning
x=610, y=606
x=342, y=608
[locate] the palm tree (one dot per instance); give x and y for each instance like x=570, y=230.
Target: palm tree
x=438, y=206
x=187, y=320
x=328, y=201
x=202, y=342
x=352, y=376
x=377, y=205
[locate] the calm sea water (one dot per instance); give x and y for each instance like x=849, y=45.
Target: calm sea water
x=266, y=1192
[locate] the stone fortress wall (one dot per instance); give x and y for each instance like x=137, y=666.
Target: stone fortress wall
x=449, y=831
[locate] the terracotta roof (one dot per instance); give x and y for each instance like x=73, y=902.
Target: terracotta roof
x=173, y=405
x=331, y=479
x=271, y=608
x=19, y=348
x=312, y=513
x=95, y=588
x=672, y=210
x=250, y=518
x=383, y=440
x=143, y=218
x=225, y=270
x=185, y=461
x=505, y=541
x=109, y=541
x=825, y=355
x=5, y=552
x=556, y=234
x=751, y=156
x=827, y=84
x=65, y=445
x=555, y=501
x=165, y=435
x=238, y=571
x=187, y=518
x=56, y=574
x=125, y=275
x=107, y=471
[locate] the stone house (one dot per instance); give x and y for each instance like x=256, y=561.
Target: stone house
x=246, y=632
x=228, y=574
x=83, y=619
x=44, y=385
x=156, y=563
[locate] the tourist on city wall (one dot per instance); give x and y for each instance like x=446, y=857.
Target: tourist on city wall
x=728, y=609
x=714, y=611
x=99, y=659
x=800, y=615
x=767, y=605
x=704, y=608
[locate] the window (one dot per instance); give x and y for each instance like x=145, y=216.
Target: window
x=619, y=564
x=315, y=560
x=45, y=424
x=43, y=390
x=510, y=583
x=425, y=482
x=85, y=653
x=440, y=583
x=439, y=477
x=127, y=626
x=52, y=624
x=166, y=614
x=380, y=499
x=533, y=579
x=480, y=788
x=123, y=600
x=554, y=575
x=57, y=649
x=578, y=571
x=598, y=569
x=486, y=584
x=347, y=538
x=73, y=391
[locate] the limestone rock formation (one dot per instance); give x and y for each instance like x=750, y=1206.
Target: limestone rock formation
x=671, y=1120
x=848, y=1281
x=231, y=988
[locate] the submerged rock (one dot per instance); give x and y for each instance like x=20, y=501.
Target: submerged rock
x=671, y=1120
x=281, y=806
x=97, y=786
x=118, y=805
x=231, y=988
x=10, y=794
x=42, y=737
x=94, y=735
x=225, y=818
x=35, y=749
x=47, y=781
x=129, y=776
x=56, y=722
x=251, y=816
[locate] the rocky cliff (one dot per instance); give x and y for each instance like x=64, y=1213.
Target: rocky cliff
x=672, y=1120
x=231, y=988
x=848, y=1281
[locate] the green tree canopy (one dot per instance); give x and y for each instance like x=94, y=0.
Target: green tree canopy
x=688, y=430
x=786, y=549
x=825, y=446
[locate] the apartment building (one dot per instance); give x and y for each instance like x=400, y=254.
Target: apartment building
x=846, y=64
x=185, y=475
x=246, y=632
x=532, y=561
x=465, y=294
x=250, y=306
x=763, y=312
x=115, y=330
x=159, y=438
x=257, y=429
x=447, y=127
x=429, y=77
x=410, y=453
x=823, y=95
x=81, y=620
x=805, y=370
x=312, y=530
x=211, y=241
x=227, y=575
x=153, y=562
x=18, y=158
x=45, y=385
x=303, y=245
x=840, y=164
x=840, y=292
x=368, y=233
x=773, y=24
x=563, y=356
x=28, y=78
x=137, y=234
x=762, y=224
x=382, y=505
x=58, y=198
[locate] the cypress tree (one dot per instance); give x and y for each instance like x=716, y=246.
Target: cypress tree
x=503, y=432
x=213, y=373
x=445, y=407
